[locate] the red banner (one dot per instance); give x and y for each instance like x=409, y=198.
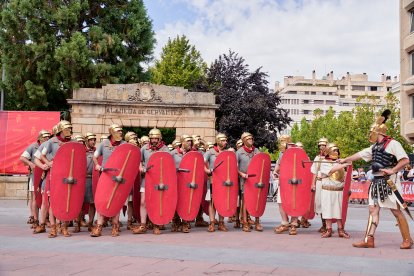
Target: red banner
x=407, y=190
x=18, y=130
x=360, y=190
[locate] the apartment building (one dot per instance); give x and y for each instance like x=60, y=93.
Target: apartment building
x=407, y=68
x=302, y=96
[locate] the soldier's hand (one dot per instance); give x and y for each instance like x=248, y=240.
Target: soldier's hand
x=244, y=175
x=341, y=161
x=32, y=166
x=209, y=173
x=387, y=171
x=44, y=167
x=98, y=167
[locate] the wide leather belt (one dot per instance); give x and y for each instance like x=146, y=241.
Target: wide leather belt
x=331, y=188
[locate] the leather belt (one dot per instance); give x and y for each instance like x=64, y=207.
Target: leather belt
x=330, y=188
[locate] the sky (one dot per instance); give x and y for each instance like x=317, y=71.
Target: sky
x=287, y=37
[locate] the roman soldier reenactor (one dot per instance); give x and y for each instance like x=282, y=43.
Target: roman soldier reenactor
x=79, y=139
x=388, y=158
x=209, y=158
x=333, y=180
x=105, y=150
x=144, y=140
x=155, y=144
x=239, y=144
x=178, y=154
x=317, y=179
x=285, y=142
x=44, y=159
x=244, y=155
x=90, y=139
x=27, y=158
x=132, y=138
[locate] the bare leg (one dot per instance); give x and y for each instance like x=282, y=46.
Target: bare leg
x=143, y=209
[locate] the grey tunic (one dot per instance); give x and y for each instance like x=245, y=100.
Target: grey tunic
x=49, y=149
x=146, y=153
x=105, y=149
x=29, y=154
x=89, y=169
x=243, y=161
x=177, y=156
x=210, y=157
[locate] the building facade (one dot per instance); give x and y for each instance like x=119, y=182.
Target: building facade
x=303, y=96
x=407, y=68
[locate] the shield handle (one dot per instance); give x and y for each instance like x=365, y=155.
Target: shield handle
x=121, y=173
x=260, y=186
x=191, y=185
x=70, y=181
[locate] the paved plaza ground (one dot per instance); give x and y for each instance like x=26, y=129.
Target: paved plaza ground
x=202, y=253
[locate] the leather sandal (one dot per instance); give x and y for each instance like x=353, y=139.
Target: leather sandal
x=246, y=227
x=211, y=227
x=97, y=231
x=115, y=230
x=258, y=226
x=185, y=227
x=40, y=229
x=281, y=228
x=65, y=231
x=343, y=234
x=30, y=220
x=293, y=230
x=156, y=230
x=141, y=229
x=327, y=234
x=222, y=227
x=53, y=231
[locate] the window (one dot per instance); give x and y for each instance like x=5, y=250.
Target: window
x=342, y=96
x=307, y=93
x=355, y=96
x=330, y=93
x=345, y=104
x=358, y=87
x=291, y=92
x=330, y=102
x=412, y=20
x=373, y=88
x=318, y=101
x=412, y=106
x=306, y=101
x=324, y=93
x=313, y=93
x=306, y=111
x=412, y=63
x=342, y=87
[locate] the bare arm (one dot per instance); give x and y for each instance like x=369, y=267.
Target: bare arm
x=350, y=159
x=401, y=164
x=27, y=162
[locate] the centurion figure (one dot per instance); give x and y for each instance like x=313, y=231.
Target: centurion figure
x=388, y=157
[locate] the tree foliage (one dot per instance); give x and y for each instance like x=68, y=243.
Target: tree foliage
x=245, y=102
x=50, y=48
x=350, y=130
x=180, y=65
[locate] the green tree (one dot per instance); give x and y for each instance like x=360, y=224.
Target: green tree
x=350, y=130
x=180, y=65
x=50, y=48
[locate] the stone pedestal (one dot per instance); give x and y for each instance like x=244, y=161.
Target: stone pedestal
x=13, y=187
